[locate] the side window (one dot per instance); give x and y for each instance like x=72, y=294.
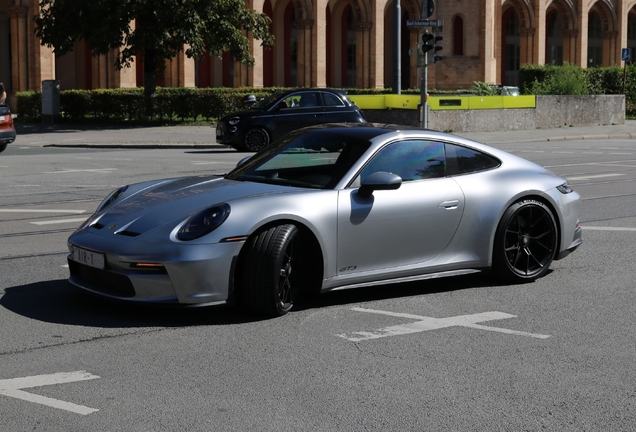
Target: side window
x=411, y=160
x=463, y=160
x=331, y=100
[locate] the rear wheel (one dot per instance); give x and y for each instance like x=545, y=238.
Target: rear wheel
x=269, y=274
x=3, y=147
x=525, y=242
x=256, y=139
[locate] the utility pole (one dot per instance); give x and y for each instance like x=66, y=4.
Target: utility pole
x=397, y=47
x=426, y=53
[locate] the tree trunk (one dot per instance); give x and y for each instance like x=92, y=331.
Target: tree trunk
x=150, y=81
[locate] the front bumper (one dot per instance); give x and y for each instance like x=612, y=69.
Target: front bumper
x=228, y=135
x=188, y=275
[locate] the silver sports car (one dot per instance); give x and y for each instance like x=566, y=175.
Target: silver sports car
x=326, y=208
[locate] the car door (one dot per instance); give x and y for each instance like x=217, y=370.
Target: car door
x=299, y=110
x=403, y=227
x=337, y=111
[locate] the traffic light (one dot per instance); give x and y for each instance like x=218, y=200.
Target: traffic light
x=430, y=47
x=429, y=7
x=427, y=43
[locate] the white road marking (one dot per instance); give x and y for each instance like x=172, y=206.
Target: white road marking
x=12, y=388
x=66, y=171
x=41, y=211
x=597, y=228
x=206, y=163
x=59, y=221
x=596, y=176
x=427, y=323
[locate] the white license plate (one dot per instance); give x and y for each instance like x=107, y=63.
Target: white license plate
x=218, y=132
x=2, y=118
x=89, y=258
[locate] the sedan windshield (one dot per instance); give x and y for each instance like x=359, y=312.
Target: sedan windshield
x=314, y=159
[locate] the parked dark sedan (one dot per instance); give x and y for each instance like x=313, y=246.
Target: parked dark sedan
x=282, y=112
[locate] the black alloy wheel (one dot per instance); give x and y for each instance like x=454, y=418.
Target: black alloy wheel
x=269, y=280
x=526, y=242
x=256, y=139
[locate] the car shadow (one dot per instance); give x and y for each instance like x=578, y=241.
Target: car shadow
x=57, y=301
x=212, y=151
x=401, y=290
x=38, y=128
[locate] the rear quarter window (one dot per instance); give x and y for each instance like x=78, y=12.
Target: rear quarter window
x=464, y=160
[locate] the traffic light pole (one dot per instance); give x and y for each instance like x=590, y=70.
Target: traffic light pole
x=423, y=102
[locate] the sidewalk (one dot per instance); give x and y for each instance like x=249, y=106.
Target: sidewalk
x=114, y=136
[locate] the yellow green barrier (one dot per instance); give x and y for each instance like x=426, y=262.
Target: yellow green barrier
x=392, y=101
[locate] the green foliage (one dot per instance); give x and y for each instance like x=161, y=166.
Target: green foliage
x=127, y=105
x=29, y=105
x=573, y=80
x=558, y=80
x=164, y=26
x=480, y=88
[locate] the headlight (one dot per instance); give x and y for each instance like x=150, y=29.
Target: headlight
x=111, y=198
x=203, y=222
x=565, y=188
x=234, y=120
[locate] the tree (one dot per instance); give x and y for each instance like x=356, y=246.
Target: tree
x=159, y=29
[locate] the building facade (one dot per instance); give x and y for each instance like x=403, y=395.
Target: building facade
x=350, y=43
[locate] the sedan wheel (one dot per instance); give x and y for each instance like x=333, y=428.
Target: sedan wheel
x=525, y=242
x=269, y=279
x=256, y=139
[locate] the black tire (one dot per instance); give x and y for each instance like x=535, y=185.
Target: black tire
x=3, y=147
x=269, y=281
x=525, y=243
x=255, y=139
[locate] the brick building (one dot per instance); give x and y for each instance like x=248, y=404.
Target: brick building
x=345, y=43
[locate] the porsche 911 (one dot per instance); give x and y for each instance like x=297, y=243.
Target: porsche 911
x=325, y=208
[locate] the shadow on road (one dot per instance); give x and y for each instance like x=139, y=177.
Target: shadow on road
x=57, y=301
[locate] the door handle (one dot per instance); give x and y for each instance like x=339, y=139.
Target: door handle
x=449, y=205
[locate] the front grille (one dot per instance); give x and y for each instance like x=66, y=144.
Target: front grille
x=101, y=280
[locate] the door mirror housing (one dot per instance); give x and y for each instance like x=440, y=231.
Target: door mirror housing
x=380, y=180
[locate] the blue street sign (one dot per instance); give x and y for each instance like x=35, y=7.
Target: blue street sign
x=625, y=53
x=425, y=23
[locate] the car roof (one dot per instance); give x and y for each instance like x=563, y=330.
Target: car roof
x=311, y=89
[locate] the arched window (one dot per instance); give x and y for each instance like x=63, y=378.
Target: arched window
x=458, y=36
x=351, y=50
x=631, y=37
x=554, y=50
x=291, y=47
x=594, y=41
x=512, y=47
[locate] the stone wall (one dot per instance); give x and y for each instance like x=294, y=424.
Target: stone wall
x=550, y=112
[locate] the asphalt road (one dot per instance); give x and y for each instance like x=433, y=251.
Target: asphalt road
x=557, y=354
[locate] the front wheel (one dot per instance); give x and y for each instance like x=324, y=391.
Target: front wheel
x=270, y=277
x=256, y=139
x=525, y=242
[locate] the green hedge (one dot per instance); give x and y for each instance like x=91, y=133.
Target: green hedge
x=570, y=79
x=124, y=105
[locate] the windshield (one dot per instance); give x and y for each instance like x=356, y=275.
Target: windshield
x=269, y=100
x=316, y=158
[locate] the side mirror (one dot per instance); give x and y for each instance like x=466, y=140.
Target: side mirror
x=380, y=180
x=242, y=161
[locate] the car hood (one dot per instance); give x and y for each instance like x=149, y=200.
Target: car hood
x=243, y=114
x=172, y=201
